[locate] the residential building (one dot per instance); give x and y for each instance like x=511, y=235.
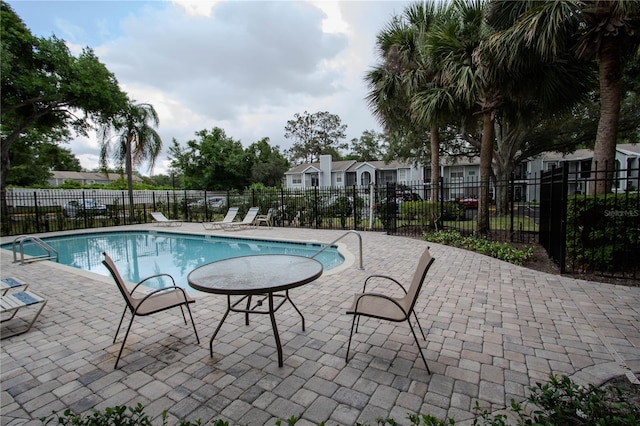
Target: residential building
x=627, y=164
x=461, y=175
x=85, y=178
x=329, y=173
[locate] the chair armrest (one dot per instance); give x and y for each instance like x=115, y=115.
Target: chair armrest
x=154, y=276
x=161, y=290
x=383, y=296
x=385, y=277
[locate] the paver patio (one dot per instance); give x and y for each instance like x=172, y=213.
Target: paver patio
x=494, y=329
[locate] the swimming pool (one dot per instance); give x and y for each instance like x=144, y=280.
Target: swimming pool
x=139, y=254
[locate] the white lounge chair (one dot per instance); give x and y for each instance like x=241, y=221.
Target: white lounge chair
x=231, y=214
x=265, y=218
x=14, y=302
x=247, y=221
x=11, y=283
x=160, y=220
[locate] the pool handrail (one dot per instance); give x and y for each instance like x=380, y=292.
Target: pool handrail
x=352, y=231
x=51, y=253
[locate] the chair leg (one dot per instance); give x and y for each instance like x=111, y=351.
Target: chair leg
x=415, y=337
x=193, y=323
x=120, y=324
x=353, y=323
x=419, y=326
x=183, y=316
x=123, y=341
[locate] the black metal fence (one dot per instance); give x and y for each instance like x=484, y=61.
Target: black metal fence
x=586, y=233
x=393, y=208
x=582, y=233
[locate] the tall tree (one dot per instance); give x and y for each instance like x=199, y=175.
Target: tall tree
x=35, y=155
x=45, y=88
x=136, y=142
x=268, y=165
x=368, y=147
x=213, y=161
x=405, y=68
x=607, y=30
x=314, y=135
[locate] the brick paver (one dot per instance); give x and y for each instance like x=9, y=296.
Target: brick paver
x=493, y=329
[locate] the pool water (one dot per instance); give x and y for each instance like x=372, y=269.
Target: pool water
x=140, y=254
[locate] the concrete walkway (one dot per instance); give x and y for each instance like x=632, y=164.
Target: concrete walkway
x=494, y=329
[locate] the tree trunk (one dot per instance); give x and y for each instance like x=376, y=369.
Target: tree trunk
x=504, y=166
x=4, y=171
x=435, y=164
x=129, y=172
x=604, y=152
x=486, y=155
x=503, y=179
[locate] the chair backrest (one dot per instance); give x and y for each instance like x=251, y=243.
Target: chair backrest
x=231, y=214
x=418, y=278
x=108, y=262
x=251, y=215
x=159, y=217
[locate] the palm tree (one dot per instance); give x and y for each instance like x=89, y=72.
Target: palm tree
x=405, y=70
x=607, y=30
x=136, y=142
x=433, y=65
x=454, y=44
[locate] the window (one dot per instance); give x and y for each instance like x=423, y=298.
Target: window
x=585, y=169
x=402, y=175
x=456, y=174
x=296, y=179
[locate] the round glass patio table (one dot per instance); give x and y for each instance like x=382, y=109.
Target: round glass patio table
x=255, y=279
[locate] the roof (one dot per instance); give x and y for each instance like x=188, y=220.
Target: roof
x=629, y=149
x=350, y=166
x=381, y=165
x=587, y=154
x=68, y=175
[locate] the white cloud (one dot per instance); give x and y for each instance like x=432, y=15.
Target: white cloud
x=245, y=66
x=197, y=7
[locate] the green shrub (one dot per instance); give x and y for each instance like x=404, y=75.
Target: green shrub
x=502, y=251
x=603, y=232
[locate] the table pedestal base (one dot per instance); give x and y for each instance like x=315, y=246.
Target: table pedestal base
x=258, y=309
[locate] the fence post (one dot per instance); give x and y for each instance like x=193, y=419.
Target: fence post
x=124, y=209
x=441, y=197
x=84, y=210
x=186, y=209
x=355, y=212
x=392, y=208
x=511, y=203
x=316, y=192
x=563, y=223
x=35, y=204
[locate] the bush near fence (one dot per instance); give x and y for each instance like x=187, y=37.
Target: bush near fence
x=603, y=233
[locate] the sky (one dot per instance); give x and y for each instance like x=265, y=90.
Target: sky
x=244, y=66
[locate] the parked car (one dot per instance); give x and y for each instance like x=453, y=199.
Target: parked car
x=469, y=203
x=213, y=203
x=88, y=206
